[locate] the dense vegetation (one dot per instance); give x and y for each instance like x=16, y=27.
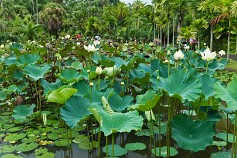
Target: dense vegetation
x=22, y=20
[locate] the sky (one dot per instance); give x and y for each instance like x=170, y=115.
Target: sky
x=131, y=1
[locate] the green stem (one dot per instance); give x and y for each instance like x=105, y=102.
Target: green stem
x=107, y=150
x=159, y=116
x=37, y=100
x=39, y=94
x=112, y=145
x=207, y=67
x=168, y=130
x=234, y=145
x=99, y=138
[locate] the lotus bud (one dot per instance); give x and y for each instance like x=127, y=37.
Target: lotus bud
x=88, y=71
x=122, y=83
x=67, y=36
x=2, y=46
x=178, y=55
x=73, y=47
x=221, y=52
x=168, y=52
x=98, y=71
x=91, y=84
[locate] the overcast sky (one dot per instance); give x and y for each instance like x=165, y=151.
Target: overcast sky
x=131, y=1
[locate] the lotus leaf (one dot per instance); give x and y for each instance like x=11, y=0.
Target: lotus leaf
x=69, y=76
x=49, y=87
x=147, y=101
x=11, y=156
x=61, y=95
x=28, y=140
x=207, y=85
x=35, y=72
x=43, y=153
x=223, y=136
x=227, y=94
x=20, y=112
x=62, y=142
x=143, y=132
x=182, y=85
x=118, y=122
x=119, y=104
x=135, y=146
x=82, y=88
x=219, y=143
x=118, y=150
x=221, y=155
x=53, y=136
x=163, y=149
x=77, y=65
x=27, y=59
x=75, y=110
x=24, y=147
x=191, y=135
x=15, y=129
x=3, y=95
x=88, y=145
x=7, y=149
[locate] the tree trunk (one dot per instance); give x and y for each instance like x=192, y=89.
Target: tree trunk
x=228, y=42
x=168, y=33
x=211, y=38
x=173, y=32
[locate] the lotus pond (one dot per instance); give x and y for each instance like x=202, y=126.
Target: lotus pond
x=63, y=99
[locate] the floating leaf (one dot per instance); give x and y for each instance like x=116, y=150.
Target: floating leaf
x=221, y=155
x=61, y=95
x=191, y=135
x=11, y=156
x=20, y=112
x=135, y=146
x=223, y=136
x=3, y=95
x=24, y=147
x=118, y=150
x=62, y=142
x=88, y=145
x=14, y=137
x=163, y=149
x=7, y=149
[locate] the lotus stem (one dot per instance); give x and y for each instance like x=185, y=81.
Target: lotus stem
x=112, y=145
x=98, y=82
x=227, y=129
x=159, y=122
x=152, y=132
x=207, y=67
x=39, y=96
x=37, y=100
x=168, y=129
x=107, y=150
x=99, y=138
x=234, y=145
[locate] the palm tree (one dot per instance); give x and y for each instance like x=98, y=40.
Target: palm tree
x=200, y=24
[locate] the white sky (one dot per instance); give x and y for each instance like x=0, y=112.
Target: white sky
x=131, y=1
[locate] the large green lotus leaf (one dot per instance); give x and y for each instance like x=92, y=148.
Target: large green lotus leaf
x=135, y=146
x=11, y=156
x=146, y=102
x=49, y=87
x=221, y=155
x=181, y=85
x=207, y=85
x=138, y=76
x=227, y=94
x=69, y=76
x=14, y=137
x=118, y=150
x=118, y=122
x=75, y=110
x=163, y=149
x=223, y=136
x=119, y=62
x=27, y=59
x=61, y=95
x=36, y=72
x=82, y=88
x=20, y=112
x=191, y=135
x=24, y=147
x=119, y=104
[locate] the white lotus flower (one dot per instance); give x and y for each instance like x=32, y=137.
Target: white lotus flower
x=67, y=36
x=111, y=71
x=98, y=71
x=2, y=46
x=96, y=42
x=221, y=52
x=208, y=55
x=90, y=48
x=178, y=55
x=78, y=43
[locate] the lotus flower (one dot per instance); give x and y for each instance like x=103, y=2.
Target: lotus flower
x=90, y=48
x=96, y=42
x=221, y=52
x=208, y=55
x=98, y=71
x=111, y=71
x=186, y=47
x=178, y=55
x=67, y=36
x=2, y=46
